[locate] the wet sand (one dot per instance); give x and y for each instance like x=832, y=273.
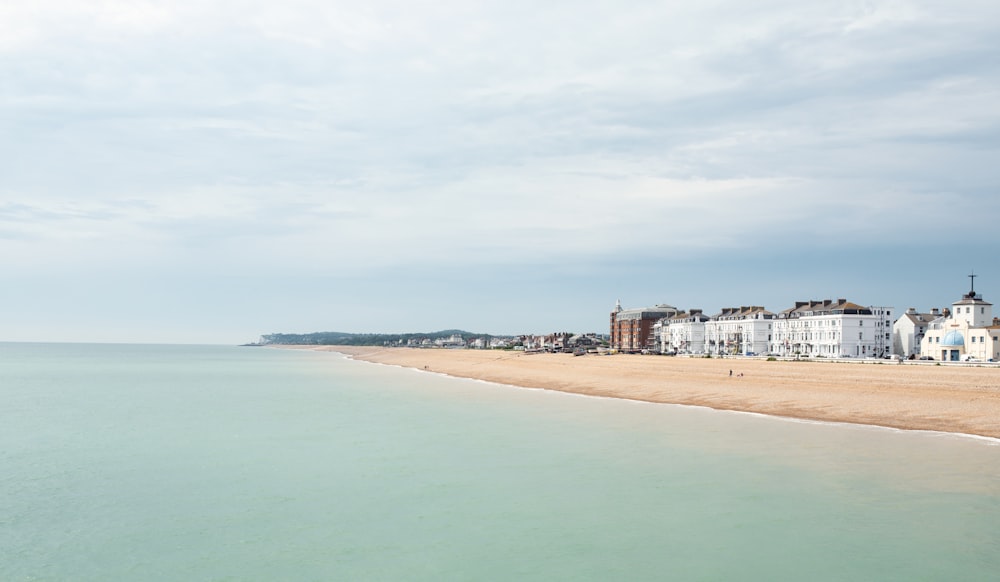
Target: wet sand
x=947, y=398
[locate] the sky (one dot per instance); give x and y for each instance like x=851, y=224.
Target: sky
x=210, y=171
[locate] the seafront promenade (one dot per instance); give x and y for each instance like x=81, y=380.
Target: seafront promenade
x=956, y=399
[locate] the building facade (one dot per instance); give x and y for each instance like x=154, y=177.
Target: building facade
x=826, y=328
x=967, y=332
x=739, y=331
x=632, y=329
x=909, y=330
x=684, y=333
x=832, y=329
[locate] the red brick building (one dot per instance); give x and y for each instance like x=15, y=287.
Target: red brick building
x=632, y=329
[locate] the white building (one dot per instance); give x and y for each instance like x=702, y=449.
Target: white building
x=739, y=330
x=832, y=329
x=452, y=341
x=883, y=330
x=909, y=330
x=683, y=333
x=967, y=332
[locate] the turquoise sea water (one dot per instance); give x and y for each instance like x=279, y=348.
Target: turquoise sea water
x=128, y=462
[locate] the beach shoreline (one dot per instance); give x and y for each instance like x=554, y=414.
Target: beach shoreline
x=949, y=399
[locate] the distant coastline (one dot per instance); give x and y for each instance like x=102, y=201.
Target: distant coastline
x=954, y=399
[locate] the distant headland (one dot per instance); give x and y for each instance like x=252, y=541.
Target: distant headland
x=337, y=338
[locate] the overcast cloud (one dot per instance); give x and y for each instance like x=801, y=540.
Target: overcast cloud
x=210, y=171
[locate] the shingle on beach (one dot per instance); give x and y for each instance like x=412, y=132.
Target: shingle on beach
x=958, y=399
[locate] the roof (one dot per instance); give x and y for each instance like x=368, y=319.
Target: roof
x=658, y=312
x=824, y=307
x=921, y=318
x=971, y=298
x=743, y=312
x=695, y=315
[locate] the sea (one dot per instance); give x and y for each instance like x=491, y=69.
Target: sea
x=169, y=462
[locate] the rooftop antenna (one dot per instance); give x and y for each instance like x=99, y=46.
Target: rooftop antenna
x=972, y=277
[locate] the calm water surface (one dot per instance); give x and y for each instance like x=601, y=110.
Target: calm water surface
x=125, y=462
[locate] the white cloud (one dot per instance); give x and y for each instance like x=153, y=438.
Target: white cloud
x=871, y=14
x=309, y=136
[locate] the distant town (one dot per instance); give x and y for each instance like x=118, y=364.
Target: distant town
x=966, y=331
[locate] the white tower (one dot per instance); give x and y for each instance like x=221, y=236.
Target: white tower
x=972, y=309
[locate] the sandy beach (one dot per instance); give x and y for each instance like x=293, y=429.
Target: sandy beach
x=944, y=398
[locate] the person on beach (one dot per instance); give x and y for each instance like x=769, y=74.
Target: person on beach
x=730, y=373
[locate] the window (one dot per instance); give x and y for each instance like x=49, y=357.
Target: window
x=973, y=339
